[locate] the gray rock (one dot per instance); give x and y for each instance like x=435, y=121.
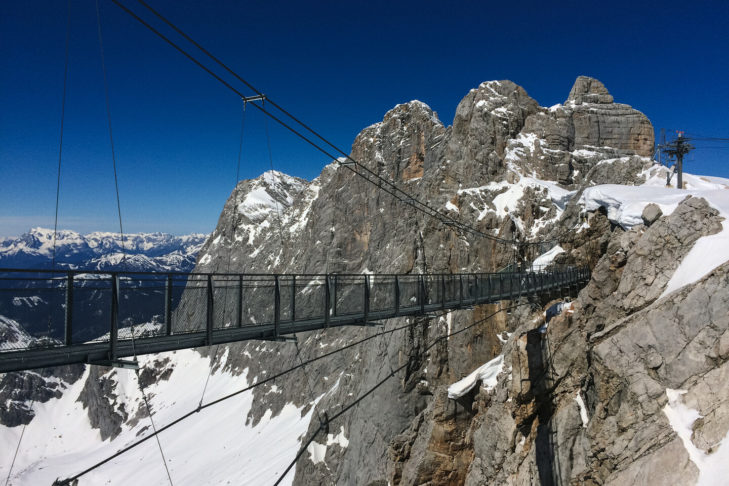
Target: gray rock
x=651, y=213
x=589, y=90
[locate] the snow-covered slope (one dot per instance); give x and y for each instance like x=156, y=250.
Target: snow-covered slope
x=209, y=448
x=625, y=205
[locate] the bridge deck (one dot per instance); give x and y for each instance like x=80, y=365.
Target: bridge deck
x=205, y=309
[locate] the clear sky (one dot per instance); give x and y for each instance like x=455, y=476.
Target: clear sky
x=337, y=65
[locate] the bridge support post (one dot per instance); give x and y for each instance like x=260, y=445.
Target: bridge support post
x=168, y=306
x=366, y=303
x=68, y=327
x=240, y=301
x=276, y=306
x=209, y=314
x=114, y=328
x=293, y=298
x=397, y=296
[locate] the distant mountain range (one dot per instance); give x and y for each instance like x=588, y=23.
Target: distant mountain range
x=101, y=251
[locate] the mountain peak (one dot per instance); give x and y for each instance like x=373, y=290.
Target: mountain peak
x=589, y=90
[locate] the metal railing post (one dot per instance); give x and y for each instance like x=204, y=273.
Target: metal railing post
x=366, y=303
x=421, y=293
x=327, y=302
x=114, y=328
x=68, y=328
x=240, y=301
x=209, y=315
x=293, y=298
x=335, y=284
x=168, y=305
x=276, y=306
x=460, y=290
x=397, y=295
x=442, y=292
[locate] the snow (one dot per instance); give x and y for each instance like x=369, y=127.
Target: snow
x=214, y=446
x=546, y=258
x=14, y=336
x=486, y=374
x=656, y=176
x=625, y=206
x=713, y=467
x=299, y=220
x=31, y=301
x=502, y=339
x=317, y=451
x=452, y=207
x=583, y=409
x=506, y=202
x=448, y=321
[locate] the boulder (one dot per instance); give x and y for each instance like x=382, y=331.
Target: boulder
x=651, y=213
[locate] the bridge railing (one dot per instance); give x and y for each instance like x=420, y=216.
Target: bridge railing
x=67, y=308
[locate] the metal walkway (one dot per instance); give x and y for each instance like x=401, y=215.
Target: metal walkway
x=69, y=317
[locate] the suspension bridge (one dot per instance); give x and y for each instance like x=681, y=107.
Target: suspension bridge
x=101, y=318
x=110, y=316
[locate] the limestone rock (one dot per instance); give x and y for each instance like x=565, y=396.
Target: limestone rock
x=651, y=213
x=589, y=90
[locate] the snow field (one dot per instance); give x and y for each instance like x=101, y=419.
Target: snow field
x=214, y=446
x=625, y=206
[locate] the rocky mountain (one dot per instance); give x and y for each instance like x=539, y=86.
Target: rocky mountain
x=101, y=251
x=625, y=386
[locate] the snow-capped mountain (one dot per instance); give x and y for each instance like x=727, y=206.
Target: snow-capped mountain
x=150, y=252
x=101, y=251
x=611, y=393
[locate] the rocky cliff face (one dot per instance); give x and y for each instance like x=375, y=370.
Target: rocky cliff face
x=583, y=402
x=506, y=166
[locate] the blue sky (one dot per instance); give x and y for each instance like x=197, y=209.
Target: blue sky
x=337, y=65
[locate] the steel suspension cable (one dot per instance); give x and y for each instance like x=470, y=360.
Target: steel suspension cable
x=232, y=239
x=225, y=398
x=282, y=241
x=121, y=230
x=55, y=221
x=371, y=390
x=60, y=138
x=272, y=102
x=402, y=195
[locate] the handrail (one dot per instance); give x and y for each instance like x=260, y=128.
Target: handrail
x=215, y=308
